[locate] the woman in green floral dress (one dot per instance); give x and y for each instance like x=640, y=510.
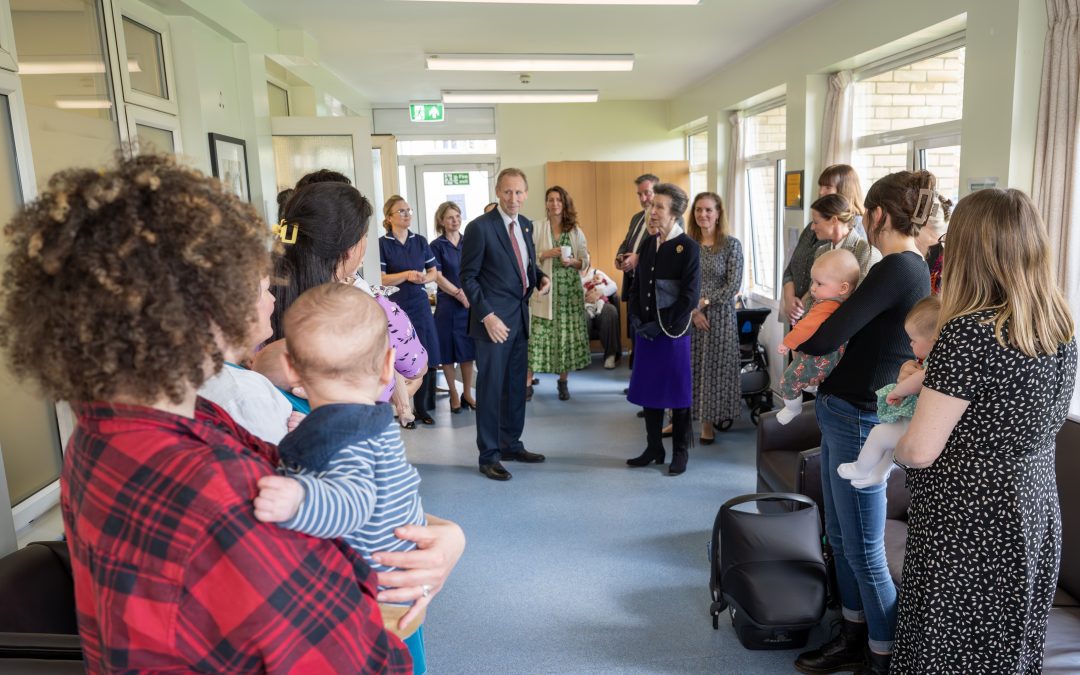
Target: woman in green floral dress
x=559, y=336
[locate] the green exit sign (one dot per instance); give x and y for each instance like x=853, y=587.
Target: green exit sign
x=426, y=112
x=455, y=178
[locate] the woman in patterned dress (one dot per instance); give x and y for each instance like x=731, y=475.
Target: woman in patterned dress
x=714, y=342
x=984, y=537
x=559, y=338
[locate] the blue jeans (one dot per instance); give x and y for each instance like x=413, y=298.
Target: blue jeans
x=855, y=522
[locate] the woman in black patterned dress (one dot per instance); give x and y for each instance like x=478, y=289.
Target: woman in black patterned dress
x=714, y=342
x=984, y=537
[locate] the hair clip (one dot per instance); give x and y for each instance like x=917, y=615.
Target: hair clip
x=282, y=232
x=925, y=206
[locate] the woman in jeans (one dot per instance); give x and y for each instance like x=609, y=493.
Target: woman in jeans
x=871, y=324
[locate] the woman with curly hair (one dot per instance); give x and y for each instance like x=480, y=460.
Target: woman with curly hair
x=123, y=289
x=559, y=337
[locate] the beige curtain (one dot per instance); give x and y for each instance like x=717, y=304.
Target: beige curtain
x=837, y=130
x=735, y=185
x=1057, y=151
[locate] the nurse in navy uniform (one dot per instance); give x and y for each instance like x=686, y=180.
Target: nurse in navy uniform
x=452, y=307
x=663, y=292
x=408, y=263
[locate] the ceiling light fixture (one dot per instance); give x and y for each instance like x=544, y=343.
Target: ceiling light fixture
x=88, y=67
x=515, y=96
x=83, y=104
x=532, y=62
x=577, y=2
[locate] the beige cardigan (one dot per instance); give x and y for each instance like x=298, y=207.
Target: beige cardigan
x=540, y=305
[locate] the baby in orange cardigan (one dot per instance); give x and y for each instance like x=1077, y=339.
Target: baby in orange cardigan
x=832, y=279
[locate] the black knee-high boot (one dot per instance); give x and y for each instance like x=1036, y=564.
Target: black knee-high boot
x=680, y=440
x=654, y=451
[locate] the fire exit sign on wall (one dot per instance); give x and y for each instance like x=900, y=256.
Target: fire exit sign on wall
x=455, y=178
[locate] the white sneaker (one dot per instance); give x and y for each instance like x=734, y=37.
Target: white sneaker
x=609, y=362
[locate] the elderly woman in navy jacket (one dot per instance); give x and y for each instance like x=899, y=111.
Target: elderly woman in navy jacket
x=662, y=295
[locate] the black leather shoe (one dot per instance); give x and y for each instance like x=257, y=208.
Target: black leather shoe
x=495, y=471
x=678, y=462
x=707, y=441
x=523, y=456
x=564, y=391
x=844, y=653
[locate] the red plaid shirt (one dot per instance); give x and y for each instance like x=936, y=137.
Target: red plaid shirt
x=173, y=572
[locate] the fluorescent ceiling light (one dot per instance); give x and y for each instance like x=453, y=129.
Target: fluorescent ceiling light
x=81, y=67
x=576, y=2
x=83, y=104
x=531, y=63
x=519, y=96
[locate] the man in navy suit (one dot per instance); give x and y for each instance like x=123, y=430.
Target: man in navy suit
x=499, y=273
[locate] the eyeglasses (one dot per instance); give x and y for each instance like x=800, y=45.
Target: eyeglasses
x=941, y=239
x=404, y=212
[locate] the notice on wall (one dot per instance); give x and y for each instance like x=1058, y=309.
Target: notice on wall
x=982, y=183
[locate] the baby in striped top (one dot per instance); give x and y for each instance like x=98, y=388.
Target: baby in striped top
x=346, y=474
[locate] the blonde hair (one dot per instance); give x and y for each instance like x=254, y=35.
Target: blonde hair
x=441, y=212
x=387, y=209
x=843, y=264
x=1002, y=263
x=845, y=181
x=336, y=332
x=924, y=316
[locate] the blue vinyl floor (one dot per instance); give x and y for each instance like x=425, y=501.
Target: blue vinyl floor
x=581, y=564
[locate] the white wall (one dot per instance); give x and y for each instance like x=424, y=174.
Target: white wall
x=528, y=136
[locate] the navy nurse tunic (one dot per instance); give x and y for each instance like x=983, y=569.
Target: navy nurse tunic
x=451, y=317
x=414, y=254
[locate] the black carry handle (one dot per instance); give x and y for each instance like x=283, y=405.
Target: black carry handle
x=769, y=497
x=714, y=571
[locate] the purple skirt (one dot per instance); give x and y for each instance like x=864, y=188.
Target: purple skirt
x=661, y=377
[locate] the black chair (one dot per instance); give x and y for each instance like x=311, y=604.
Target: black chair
x=38, y=628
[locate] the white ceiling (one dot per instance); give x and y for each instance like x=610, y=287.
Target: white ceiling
x=378, y=46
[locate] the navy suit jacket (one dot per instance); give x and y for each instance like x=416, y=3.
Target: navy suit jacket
x=490, y=275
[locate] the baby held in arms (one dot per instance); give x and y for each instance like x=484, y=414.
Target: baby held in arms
x=896, y=402
x=346, y=472
x=832, y=280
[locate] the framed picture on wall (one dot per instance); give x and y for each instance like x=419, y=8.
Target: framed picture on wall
x=228, y=161
x=793, y=190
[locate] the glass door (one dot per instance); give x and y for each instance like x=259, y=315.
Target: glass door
x=470, y=186
x=30, y=439
x=343, y=144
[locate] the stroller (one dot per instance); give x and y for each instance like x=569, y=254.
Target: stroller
x=753, y=363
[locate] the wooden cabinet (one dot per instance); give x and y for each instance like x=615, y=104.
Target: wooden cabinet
x=604, y=195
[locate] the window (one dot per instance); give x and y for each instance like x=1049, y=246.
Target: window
x=279, y=100
x=447, y=146
x=143, y=43
x=765, y=140
x=697, y=153
x=908, y=115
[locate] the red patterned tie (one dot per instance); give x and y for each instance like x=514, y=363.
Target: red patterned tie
x=517, y=252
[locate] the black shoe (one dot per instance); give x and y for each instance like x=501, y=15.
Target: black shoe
x=408, y=425
x=495, y=471
x=648, y=457
x=876, y=664
x=641, y=413
x=844, y=653
x=523, y=456
x=528, y=393
x=535, y=380
x=707, y=441
x=425, y=419
x=467, y=404
x=678, y=462
x=665, y=434
x=564, y=391
x=457, y=410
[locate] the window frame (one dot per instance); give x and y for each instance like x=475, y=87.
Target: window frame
x=8, y=58
x=777, y=159
x=158, y=23
x=702, y=167
x=136, y=114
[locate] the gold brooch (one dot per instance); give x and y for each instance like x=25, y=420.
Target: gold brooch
x=678, y=249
